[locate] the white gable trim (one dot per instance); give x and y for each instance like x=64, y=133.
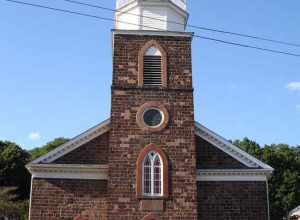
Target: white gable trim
x=229, y=148
x=74, y=143
x=233, y=175
x=200, y=130
x=68, y=171
x=100, y=172
x=295, y=212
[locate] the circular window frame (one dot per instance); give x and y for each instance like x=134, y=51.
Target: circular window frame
x=156, y=109
x=152, y=105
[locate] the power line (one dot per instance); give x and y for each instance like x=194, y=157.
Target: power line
x=76, y=13
x=189, y=25
x=114, y=20
x=247, y=46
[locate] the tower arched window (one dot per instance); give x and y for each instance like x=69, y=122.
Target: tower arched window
x=152, y=65
x=152, y=173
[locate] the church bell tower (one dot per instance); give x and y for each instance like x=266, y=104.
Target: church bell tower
x=152, y=160
x=165, y=15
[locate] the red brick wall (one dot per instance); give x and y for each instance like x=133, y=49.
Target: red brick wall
x=125, y=59
x=232, y=200
x=93, y=152
x=127, y=139
x=210, y=157
x=66, y=199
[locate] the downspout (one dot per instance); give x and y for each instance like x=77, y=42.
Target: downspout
x=30, y=199
x=268, y=201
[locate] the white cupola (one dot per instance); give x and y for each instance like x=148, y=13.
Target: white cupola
x=159, y=15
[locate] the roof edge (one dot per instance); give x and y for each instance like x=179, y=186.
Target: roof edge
x=229, y=148
x=74, y=143
x=200, y=130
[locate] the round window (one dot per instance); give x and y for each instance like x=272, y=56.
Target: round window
x=153, y=117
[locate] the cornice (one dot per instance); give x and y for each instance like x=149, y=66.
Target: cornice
x=153, y=33
x=100, y=172
x=151, y=88
x=233, y=174
x=68, y=171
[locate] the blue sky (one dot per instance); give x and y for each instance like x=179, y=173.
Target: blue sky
x=56, y=71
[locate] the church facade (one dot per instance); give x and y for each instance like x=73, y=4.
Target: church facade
x=150, y=160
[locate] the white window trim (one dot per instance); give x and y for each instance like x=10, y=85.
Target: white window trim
x=152, y=194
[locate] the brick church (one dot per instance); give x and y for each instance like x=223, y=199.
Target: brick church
x=150, y=160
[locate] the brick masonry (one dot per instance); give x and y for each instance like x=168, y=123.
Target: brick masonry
x=210, y=157
x=126, y=53
x=232, y=200
x=93, y=152
x=67, y=199
x=115, y=199
x=127, y=139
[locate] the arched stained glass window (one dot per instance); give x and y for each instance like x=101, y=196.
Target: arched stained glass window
x=152, y=174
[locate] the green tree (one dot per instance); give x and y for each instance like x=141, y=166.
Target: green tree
x=10, y=206
x=37, y=152
x=14, y=177
x=284, y=185
x=250, y=146
x=12, y=168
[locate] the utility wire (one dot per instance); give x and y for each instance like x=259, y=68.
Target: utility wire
x=188, y=25
x=77, y=13
x=247, y=46
x=114, y=20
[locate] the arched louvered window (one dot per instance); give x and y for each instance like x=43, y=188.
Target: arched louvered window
x=152, y=174
x=152, y=67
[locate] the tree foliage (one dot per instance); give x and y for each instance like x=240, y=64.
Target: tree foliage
x=15, y=179
x=12, y=168
x=37, y=152
x=284, y=185
x=10, y=206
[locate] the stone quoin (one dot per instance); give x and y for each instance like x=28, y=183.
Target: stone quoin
x=150, y=160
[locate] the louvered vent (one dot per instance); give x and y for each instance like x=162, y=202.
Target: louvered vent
x=152, y=71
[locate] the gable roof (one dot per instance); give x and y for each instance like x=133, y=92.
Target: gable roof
x=295, y=212
x=74, y=143
x=230, y=149
x=200, y=130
